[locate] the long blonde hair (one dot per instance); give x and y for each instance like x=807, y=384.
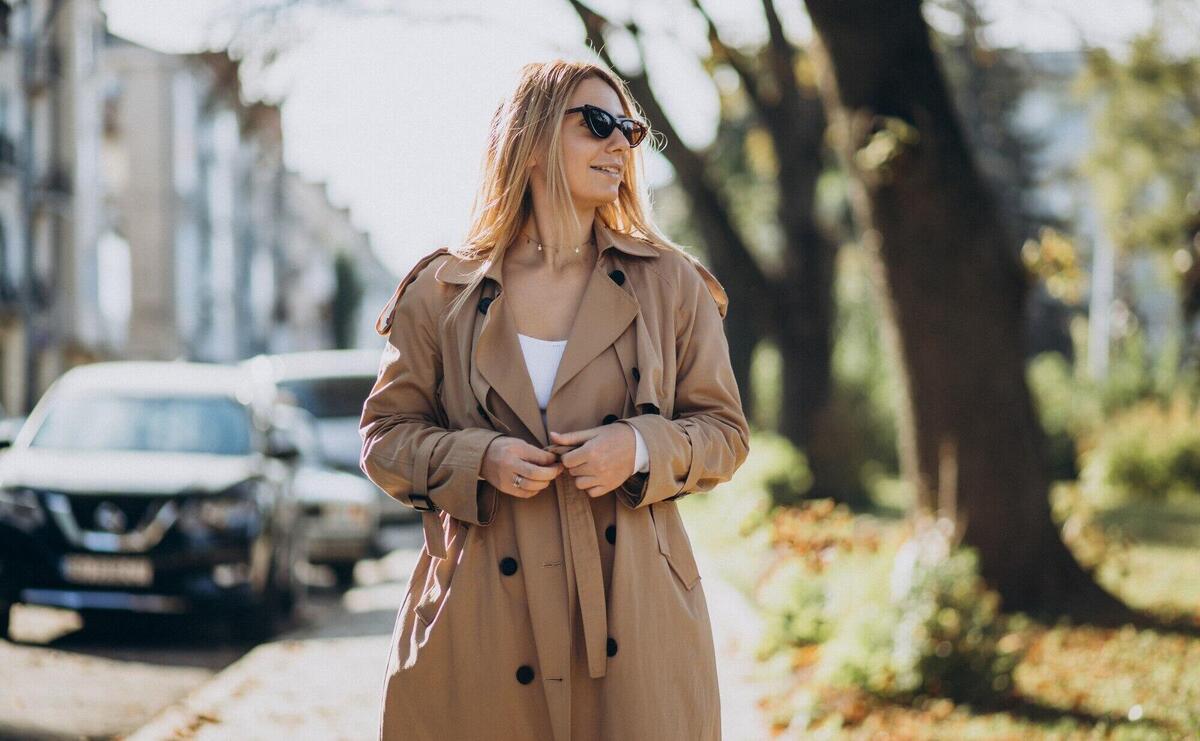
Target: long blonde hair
x=526, y=119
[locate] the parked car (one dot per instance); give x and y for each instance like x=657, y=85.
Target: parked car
x=341, y=509
x=332, y=385
x=152, y=487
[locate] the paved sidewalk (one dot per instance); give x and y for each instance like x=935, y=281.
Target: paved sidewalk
x=325, y=684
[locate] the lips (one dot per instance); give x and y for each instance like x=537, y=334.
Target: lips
x=608, y=170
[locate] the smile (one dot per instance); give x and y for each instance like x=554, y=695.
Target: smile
x=608, y=171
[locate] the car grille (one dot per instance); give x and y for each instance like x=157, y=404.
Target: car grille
x=113, y=523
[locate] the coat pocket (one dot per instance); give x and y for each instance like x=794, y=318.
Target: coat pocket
x=673, y=542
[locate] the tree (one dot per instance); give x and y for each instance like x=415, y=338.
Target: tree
x=1146, y=157
x=791, y=305
x=954, y=296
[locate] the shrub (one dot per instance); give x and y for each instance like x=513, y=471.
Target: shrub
x=894, y=618
x=1149, y=452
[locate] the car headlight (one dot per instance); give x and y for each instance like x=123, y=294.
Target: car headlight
x=234, y=510
x=20, y=507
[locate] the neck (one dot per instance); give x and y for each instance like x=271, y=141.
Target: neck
x=554, y=254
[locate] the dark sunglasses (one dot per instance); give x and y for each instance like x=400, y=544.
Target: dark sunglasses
x=601, y=123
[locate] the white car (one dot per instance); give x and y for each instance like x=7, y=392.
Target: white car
x=332, y=385
x=341, y=510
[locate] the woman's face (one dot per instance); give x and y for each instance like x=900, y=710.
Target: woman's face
x=584, y=155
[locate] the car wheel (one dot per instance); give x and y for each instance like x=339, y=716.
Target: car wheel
x=256, y=623
x=344, y=573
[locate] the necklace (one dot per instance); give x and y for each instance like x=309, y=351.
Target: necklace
x=590, y=240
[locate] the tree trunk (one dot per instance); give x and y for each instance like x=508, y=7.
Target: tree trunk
x=954, y=295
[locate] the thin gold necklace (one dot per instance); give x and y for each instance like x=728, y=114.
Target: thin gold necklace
x=590, y=240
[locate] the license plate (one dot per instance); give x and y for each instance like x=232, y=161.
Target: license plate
x=113, y=570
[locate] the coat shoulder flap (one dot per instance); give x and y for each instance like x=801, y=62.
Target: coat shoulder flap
x=710, y=281
x=383, y=323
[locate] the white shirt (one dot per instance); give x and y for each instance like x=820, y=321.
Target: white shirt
x=542, y=358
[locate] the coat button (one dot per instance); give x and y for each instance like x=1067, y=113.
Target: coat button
x=637, y=375
x=610, y=533
x=649, y=408
x=611, y=648
x=525, y=674
x=610, y=418
x=617, y=276
x=484, y=303
x=508, y=566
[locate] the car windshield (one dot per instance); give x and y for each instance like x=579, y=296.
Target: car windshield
x=329, y=398
x=184, y=424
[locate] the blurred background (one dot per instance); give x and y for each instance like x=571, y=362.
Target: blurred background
x=961, y=241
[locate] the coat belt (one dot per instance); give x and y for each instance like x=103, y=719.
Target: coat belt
x=589, y=576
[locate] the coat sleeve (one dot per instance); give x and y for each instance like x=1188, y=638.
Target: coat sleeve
x=709, y=437
x=405, y=451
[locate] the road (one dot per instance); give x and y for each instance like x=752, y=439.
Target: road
x=64, y=679
x=154, y=680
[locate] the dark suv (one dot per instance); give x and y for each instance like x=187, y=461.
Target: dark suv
x=152, y=487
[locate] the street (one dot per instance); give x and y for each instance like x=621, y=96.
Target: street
x=64, y=680
x=167, y=679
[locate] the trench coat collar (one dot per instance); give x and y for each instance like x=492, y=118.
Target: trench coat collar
x=604, y=313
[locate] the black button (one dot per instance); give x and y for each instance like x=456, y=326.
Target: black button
x=610, y=533
x=484, y=303
x=611, y=648
x=610, y=418
x=508, y=566
x=649, y=409
x=525, y=674
x=637, y=375
x=617, y=276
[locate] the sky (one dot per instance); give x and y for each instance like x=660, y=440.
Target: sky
x=391, y=111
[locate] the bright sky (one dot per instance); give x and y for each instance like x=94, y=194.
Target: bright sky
x=392, y=111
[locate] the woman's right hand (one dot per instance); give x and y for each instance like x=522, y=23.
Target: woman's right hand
x=507, y=456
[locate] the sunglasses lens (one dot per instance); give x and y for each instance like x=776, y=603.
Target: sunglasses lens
x=634, y=132
x=600, y=122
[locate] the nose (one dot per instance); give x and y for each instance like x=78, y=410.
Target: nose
x=617, y=141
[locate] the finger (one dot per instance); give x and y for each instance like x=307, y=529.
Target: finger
x=541, y=473
x=596, y=491
x=560, y=449
x=527, y=488
x=578, y=437
x=586, y=482
x=535, y=454
x=575, y=457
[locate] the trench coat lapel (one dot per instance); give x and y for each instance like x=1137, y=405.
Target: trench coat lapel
x=604, y=313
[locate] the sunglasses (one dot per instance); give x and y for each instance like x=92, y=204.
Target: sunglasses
x=601, y=123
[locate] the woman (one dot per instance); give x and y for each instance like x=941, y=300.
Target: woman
x=557, y=596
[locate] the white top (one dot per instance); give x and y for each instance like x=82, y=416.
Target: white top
x=542, y=358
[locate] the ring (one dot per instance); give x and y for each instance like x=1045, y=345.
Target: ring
x=517, y=479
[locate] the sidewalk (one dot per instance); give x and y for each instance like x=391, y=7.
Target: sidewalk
x=325, y=684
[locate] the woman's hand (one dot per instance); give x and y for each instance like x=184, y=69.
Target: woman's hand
x=603, y=459
x=507, y=457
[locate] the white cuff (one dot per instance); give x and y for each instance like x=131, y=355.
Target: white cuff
x=641, y=456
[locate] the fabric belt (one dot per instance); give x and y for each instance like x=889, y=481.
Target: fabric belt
x=589, y=576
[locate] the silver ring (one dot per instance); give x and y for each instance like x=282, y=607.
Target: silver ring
x=517, y=479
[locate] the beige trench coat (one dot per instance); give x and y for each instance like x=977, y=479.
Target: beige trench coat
x=559, y=616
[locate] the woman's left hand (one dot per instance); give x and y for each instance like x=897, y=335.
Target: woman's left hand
x=602, y=459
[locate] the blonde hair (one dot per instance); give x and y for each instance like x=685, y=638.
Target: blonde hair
x=528, y=119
